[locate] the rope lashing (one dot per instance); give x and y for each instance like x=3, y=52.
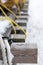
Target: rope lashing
x=9, y=21
x=8, y=10
x=12, y=22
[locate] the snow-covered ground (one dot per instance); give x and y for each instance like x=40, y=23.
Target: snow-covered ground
x=35, y=27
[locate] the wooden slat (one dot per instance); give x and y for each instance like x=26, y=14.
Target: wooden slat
x=28, y=59
x=24, y=56
x=22, y=16
x=24, y=53
x=21, y=21
x=18, y=32
x=18, y=40
x=23, y=27
x=22, y=24
x=24, y=10
x=17, y=36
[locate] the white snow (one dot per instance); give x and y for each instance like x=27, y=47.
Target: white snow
x=35, y=27
x=4, y=24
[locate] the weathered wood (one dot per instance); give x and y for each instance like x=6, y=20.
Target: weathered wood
x=28, y=55
x=24, y=54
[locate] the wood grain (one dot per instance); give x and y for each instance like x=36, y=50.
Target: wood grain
x=24, y=56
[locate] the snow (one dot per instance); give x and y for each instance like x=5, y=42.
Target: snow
x=4, y=24
x=35, y=27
